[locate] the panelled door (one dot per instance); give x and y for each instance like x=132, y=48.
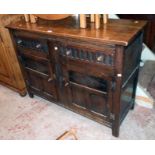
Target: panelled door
x=33, y=54
x=82, y=81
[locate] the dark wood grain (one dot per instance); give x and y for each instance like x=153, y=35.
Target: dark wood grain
x=109, y=33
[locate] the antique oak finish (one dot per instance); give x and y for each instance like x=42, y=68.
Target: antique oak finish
x=92, y=72
x=10, y=73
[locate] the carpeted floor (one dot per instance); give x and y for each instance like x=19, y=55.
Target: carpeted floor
x=26, y=118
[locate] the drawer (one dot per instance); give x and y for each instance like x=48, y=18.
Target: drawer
x=96, y=55
x=95, y=60
x=31, y=46
x=28, y=43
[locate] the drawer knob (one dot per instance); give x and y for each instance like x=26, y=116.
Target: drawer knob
x=100, y=58
x=55, y=48
x=119, y=75
x=19, y=41
x=66, y=84
x=50, y=79
x=68, y=52
x=38, y=46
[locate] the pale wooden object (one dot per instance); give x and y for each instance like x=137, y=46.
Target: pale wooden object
x=69, y=133
x=33, y=19
x=82, y=20
x=97, y=21
x=92, y=18
x=10, y=73
x=53, y=16
x=105, y=18
x=27, y=17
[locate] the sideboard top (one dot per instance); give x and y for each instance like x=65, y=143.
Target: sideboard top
x=116, y=31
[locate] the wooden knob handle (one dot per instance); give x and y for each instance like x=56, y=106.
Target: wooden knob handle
x=50, y=79
x=100, y=58
x=55, y=48
x=19, y=41
x=68, y=52
x=38, y=46
x=66, y=84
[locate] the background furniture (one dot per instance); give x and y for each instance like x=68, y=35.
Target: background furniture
x=149, y=34
x=10, y=73
x=92, y=72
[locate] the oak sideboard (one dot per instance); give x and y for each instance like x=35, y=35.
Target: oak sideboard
x=90, y=71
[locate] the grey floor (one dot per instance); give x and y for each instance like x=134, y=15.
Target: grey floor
x=26, y=118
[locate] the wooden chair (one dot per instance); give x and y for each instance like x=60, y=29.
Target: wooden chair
x=96, y=18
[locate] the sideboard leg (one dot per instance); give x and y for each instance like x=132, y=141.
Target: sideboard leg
x=31, y=94
x=133, y=104
x=115, y=129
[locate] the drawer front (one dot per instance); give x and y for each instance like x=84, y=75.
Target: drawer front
x=86, y=59
x=93, y=54
x=27, y=43
x=32, y=45
x=88, y=55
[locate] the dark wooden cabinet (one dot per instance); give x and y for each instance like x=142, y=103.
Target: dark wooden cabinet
x=92, y=72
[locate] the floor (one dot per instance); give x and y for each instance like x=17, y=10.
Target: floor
x=147, y=77
x=37, y=119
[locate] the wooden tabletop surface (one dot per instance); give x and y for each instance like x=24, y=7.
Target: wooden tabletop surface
x=116, y=31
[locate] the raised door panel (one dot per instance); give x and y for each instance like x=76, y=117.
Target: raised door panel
x=89, y=93
x=40, y=84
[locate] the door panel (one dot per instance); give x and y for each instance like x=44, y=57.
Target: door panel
x=40, y=84
x=85, y=91
x=89, y=92
x=79, y=96
x=83, y=80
